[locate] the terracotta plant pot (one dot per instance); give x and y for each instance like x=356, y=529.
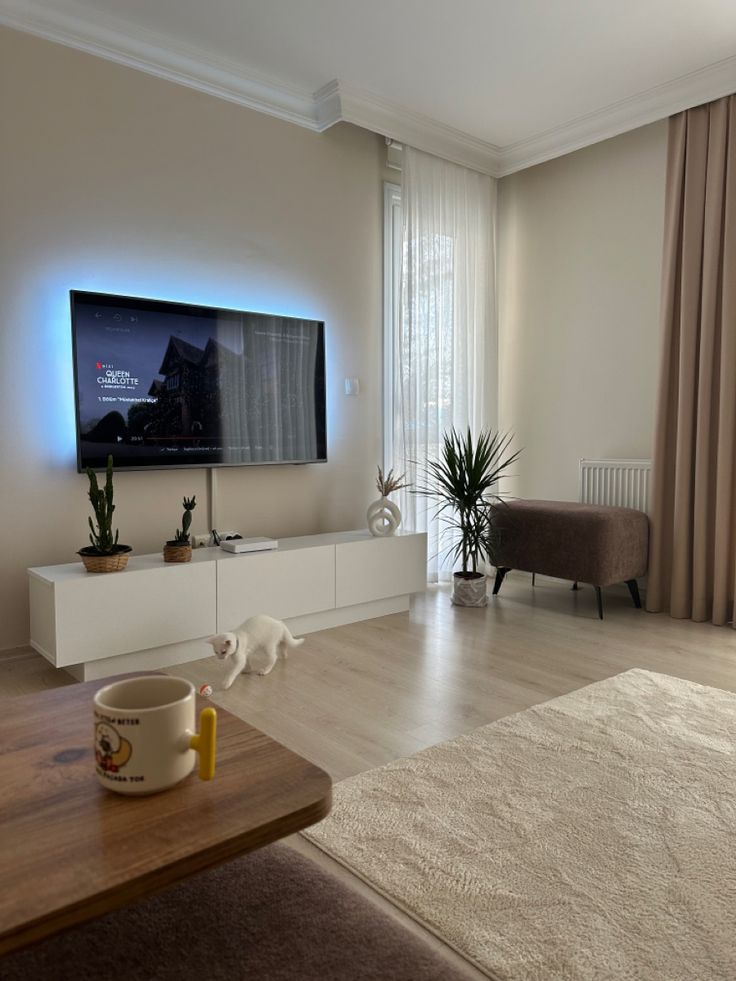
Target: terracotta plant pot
x=177, y=552
x=112, y=562
x=469, y=589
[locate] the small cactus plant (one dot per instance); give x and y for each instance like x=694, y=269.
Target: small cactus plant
x=182, y=537
x=101, y=499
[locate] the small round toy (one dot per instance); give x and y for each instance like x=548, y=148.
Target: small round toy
x=205, y=691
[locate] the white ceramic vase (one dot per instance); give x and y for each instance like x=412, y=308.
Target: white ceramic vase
x=383, y=518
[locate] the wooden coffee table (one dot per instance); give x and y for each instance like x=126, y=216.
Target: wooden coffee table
x=71, y=850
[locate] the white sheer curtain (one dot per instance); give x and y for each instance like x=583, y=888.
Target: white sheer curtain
x=445, y=335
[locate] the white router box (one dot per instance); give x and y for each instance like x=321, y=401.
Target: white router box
x=249, y=544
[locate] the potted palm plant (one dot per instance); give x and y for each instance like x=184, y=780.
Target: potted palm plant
x=104, y=554
x=179, y=549
x=462, y=484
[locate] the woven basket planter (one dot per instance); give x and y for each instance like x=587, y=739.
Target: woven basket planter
x=174, y=552
x=117, y=560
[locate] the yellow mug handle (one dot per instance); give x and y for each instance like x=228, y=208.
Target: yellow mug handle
x=204, y=743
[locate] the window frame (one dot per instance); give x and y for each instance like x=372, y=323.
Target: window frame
x=391, y=299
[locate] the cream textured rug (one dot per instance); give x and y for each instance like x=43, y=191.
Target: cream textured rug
x=591, y=837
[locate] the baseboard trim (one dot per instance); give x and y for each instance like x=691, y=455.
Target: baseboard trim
x=18, y=653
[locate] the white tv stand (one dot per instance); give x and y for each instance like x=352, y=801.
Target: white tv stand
x=154, y=614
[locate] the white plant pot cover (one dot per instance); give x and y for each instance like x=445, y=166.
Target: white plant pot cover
x=469, y=592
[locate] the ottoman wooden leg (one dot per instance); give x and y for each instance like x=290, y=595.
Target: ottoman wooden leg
x=500, y=573
x=599, y=597
x=634, y=590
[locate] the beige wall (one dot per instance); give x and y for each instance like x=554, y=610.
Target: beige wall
x=115, y=181
x=580, y=254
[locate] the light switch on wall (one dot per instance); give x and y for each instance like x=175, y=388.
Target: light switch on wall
x=352, y=386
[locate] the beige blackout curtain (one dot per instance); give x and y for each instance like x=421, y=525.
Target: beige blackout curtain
x=693, y=554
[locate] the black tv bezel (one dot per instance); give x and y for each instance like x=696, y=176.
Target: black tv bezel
x=191, y=309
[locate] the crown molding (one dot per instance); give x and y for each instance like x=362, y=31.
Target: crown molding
x=157, y=55
x=328, y=105
x=394, y=154
x=712, y=82
x=339, y=102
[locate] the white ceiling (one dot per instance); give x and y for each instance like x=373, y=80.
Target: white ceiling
x=497, y=84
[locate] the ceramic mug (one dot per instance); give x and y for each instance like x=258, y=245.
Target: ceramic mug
x=145, y=738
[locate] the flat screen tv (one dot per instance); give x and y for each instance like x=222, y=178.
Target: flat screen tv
x=162, y=385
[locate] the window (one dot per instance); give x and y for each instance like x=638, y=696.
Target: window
x=391, y=297
x=439, y=323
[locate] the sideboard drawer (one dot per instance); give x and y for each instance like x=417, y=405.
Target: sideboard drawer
x=280, y=584
x=120, y=612
x=377, y=568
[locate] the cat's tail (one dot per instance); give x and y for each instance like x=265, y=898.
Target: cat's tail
x=290, y=641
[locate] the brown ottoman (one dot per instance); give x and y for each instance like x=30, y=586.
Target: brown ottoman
x=272, y=915
x=582, y=542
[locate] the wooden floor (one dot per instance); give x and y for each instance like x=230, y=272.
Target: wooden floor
x=358, y=696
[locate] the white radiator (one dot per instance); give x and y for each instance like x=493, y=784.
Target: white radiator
x=623, y=483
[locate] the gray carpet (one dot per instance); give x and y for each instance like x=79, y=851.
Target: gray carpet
x=270, y=916
x=592, y=837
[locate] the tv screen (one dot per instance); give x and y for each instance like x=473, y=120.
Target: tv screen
x=163, y=385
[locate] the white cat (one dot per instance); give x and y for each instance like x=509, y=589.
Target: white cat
x=253, y=646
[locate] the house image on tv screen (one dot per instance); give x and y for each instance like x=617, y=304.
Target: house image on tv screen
x=187, y=398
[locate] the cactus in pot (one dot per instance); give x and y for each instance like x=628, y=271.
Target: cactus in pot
x=104, y=554
x=179, y=548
